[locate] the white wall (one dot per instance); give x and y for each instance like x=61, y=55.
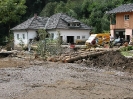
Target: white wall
x=128, y=32
x=75, y=33
x=112, y=33
x=30, y=34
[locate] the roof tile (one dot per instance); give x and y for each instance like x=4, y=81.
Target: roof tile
x=122, y=8
x=58, y=20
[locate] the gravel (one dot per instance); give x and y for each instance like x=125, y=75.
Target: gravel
x=64, y=81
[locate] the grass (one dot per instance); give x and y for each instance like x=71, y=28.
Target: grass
x=127, y=53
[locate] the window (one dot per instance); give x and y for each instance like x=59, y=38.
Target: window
x=78, y=24
x=52, y=35
x=126, y=17
x=74, y=24
x=23, y=36
x=78, y=37
x=17, y=36
x=83, y=37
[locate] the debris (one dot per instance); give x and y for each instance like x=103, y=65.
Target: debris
x=112, y=59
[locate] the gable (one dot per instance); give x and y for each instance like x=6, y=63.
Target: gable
x=62, y=24
x=62, y=21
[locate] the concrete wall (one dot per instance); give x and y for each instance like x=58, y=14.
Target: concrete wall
x=75, y=33
x=112, y=33
x=128, y=32
x=29, y=34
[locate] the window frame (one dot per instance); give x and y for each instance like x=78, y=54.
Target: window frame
x=126, y=17
x=83, y=36
x=78, y=37
x=73, y=24
x=52, y=35
x=18, y=36
x=23, y=36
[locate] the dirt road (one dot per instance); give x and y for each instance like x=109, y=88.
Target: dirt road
x=64, y=81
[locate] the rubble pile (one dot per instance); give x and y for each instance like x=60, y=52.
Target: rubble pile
x=111, y=59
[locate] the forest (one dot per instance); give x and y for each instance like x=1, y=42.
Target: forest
x=90, y=12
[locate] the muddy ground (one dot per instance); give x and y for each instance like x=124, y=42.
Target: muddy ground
x=108, y=76
x=110, y=60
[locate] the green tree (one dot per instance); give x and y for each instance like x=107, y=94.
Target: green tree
x=61, y=8
x=94, y=13
x=105, y=23
x=48, y=10
x=86, y=8
x=41, y=46
x=11, y=11
x=73, y=8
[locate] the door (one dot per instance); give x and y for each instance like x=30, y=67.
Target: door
x=128, y=38
x=70, y=39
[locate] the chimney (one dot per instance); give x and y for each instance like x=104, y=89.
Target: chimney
x=35, y=15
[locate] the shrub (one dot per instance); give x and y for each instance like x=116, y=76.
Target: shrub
x=128, y=48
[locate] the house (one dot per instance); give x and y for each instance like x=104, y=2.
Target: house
x=27, y=30
x=70, y=29
x=121, y=23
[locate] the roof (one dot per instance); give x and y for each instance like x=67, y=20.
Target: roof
x=61, y=21
x=56, y=21
x=32, y=23
x=122, y=8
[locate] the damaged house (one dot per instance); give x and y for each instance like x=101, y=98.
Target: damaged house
x=70, y=29
x=121, y=22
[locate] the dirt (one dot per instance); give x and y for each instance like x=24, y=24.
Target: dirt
x=107, y=76
x=111, y=60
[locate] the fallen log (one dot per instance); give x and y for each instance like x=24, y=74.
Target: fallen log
x=71, y=60
x=84, y=56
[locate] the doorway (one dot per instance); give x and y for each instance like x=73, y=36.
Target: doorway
x=128, y=38
x=70, y=39
x=119, y=34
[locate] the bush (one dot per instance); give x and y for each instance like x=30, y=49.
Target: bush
x=128, y=48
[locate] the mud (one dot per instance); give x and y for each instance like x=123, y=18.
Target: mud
x=107, y=76
x=110, y=60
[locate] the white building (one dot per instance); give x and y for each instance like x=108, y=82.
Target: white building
x=70, y=29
